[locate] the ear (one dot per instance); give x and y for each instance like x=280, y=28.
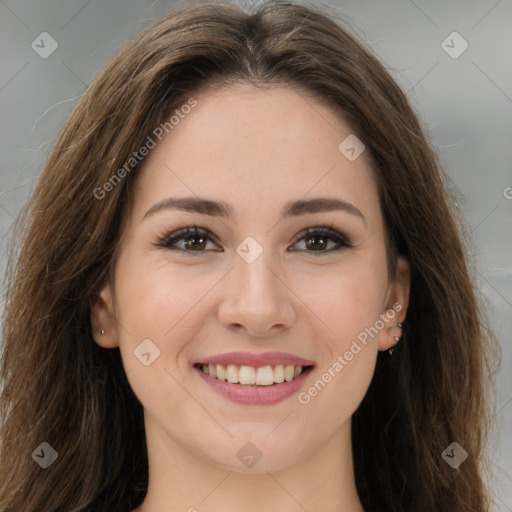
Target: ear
x=396, y=304
x=103, y=319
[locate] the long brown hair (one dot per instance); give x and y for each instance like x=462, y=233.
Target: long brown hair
x=60, y=387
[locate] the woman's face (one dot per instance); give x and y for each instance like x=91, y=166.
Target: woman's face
x=251, y=292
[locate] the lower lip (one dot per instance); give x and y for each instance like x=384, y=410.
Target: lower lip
x=255, y=395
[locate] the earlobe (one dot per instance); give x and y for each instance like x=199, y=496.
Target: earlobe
x=103, y=323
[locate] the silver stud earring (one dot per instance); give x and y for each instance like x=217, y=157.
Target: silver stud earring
x=102, y=331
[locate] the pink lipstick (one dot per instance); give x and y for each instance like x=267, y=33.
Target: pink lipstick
x=254, y=379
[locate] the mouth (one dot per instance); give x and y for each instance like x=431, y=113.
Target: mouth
x=268, y=375
x=254, y=379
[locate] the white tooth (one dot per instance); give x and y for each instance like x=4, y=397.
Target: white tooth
x=247, y=375
x=297, y=371
x=221, y=372
x=212, y=369
x=279, y=373
x=232, y=373
x=204, y=367
x=288, y=373
x=265, y=376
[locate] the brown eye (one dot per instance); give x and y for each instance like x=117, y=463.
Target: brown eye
x=194, y=239
x=317, y=240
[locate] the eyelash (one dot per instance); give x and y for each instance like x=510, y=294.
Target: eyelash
x=187, y=232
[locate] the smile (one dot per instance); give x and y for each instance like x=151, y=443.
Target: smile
x=251, y=376
x=254, y=379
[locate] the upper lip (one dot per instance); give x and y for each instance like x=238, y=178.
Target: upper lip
x=256, y=360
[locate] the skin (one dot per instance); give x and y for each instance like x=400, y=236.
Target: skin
x=256, y=150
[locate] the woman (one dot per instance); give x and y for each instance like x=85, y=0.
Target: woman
x=240, y=284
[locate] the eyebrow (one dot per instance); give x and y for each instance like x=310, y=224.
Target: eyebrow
x=222, y=209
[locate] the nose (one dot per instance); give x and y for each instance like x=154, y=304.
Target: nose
x=256, y=298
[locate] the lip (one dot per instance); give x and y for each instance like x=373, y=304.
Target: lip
x=256, y=360
x=255, y=395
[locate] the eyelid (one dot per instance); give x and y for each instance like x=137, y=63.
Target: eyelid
x=183, y=232
x=341, y=240
x=325, y=230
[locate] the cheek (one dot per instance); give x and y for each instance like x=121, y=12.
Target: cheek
x=348, y=305
x=346, y=299
x=157, y=298
x=159, y=313
x=339, y=389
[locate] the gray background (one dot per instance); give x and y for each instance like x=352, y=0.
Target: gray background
x=465, y=104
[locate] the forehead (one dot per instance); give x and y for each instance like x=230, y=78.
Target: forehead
x=253, y=147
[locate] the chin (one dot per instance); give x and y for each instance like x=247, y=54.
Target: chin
x=257, y=453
